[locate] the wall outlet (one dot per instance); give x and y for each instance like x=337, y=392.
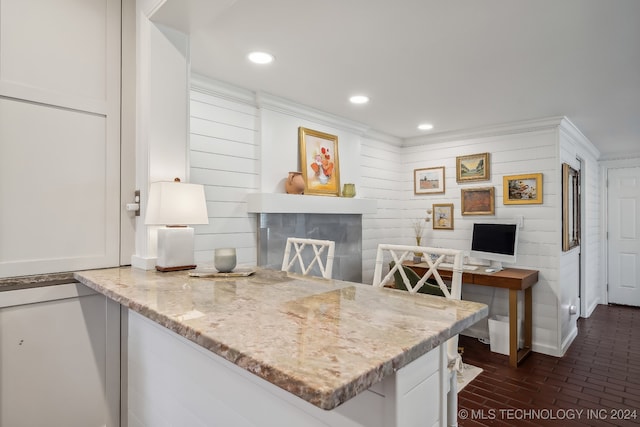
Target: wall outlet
x=520, y=221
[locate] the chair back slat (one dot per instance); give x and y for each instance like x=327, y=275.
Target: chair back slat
x=322, y=250
x=401, y=253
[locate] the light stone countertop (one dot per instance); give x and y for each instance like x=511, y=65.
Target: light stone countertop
x=35, y=281
x=322, y=340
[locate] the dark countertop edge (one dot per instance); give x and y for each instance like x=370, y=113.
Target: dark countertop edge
x=36, y=281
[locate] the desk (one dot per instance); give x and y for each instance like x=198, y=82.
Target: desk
x=514, y=279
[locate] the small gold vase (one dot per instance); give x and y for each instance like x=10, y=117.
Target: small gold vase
x=349, y=190
x=418, y=240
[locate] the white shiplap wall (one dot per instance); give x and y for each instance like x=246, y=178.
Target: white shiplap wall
x=515, y=151
x=233, y=142
x=576, y=150
x=383, y=175
x=224, y=157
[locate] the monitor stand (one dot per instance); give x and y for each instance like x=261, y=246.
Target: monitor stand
x=493, y=267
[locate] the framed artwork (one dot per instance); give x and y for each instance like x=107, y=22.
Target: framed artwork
x=570, y=207
x=478, y=201
x=522, y=189
x=474, y=167
x=319, y=162
x=428, y=180
x=443, y=216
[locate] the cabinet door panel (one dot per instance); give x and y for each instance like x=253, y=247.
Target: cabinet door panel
x=59, y=198
x=53, y=363
x=56, y=52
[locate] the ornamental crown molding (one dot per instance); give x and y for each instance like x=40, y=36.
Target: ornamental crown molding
x=275, y=103
x=571, y=131
x=266, y=101
x=487, y=131
x=209, y=86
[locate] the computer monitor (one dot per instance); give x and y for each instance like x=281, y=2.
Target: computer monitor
x=496, y=242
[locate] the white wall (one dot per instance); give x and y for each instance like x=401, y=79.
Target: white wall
x=243, y=143
x=279, y=154
x=225, y=155
x=579, y=267
x=529, y=147
x=162, y=120
x=383, y=174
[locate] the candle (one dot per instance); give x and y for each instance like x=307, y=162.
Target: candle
x=224, y=259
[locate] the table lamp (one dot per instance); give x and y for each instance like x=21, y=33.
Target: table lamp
x=176, y=205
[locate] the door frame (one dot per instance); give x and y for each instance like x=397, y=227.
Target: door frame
x=582, y=301
x=128, y=133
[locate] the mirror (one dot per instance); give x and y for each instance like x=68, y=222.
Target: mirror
x=570, y=207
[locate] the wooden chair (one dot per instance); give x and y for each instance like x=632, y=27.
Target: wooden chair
x=318, y=248
x=433, y=257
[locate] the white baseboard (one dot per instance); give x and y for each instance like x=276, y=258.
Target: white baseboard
x=591, y=308
x=568, y=340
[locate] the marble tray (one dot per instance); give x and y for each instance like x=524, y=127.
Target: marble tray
x=238, y=272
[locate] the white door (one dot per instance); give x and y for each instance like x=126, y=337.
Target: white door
x=624, y=236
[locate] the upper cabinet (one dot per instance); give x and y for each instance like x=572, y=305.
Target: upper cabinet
x=59, y=135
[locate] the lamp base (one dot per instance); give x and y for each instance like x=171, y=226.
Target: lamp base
x=178, y=268
x=175, y=249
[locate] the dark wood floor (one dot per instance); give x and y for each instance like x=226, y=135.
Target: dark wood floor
x=596, y=383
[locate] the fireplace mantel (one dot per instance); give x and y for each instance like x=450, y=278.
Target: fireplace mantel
x=299, y=203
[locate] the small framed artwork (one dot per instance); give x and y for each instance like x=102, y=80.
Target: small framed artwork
x=443, y=216
x=319, y=162
x=428, y=180
x=478, y=201
x=522, y=189
x=474, y=167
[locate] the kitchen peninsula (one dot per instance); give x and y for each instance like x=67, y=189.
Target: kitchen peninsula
x=280, y=349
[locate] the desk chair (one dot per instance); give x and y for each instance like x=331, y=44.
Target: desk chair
x=317, y=248
x=400, y=253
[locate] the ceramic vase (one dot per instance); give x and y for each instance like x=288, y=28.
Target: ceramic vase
x=349, y=190
x=294, y=184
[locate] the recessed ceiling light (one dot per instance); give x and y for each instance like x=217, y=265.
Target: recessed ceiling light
x=261, y=57
x=425, y=126
x=359, y=99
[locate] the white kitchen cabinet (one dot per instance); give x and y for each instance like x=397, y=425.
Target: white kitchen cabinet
x=59, y=135
x=59, y=357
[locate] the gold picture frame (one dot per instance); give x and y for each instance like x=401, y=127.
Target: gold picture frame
x=428, y=180
x=474, y=167
x=522, y=189
x=570, y=207
x=319, y=162
x=477, y=201
x=443, y=216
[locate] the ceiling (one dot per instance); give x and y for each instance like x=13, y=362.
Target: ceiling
x=458, y=64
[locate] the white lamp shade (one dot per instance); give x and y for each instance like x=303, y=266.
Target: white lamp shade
x=176, y=203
